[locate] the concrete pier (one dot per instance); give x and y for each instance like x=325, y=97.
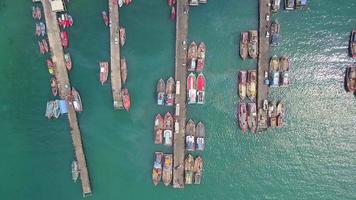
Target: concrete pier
x=64, y=87
x=263, y=53
x=180, y=75
x=115, y=54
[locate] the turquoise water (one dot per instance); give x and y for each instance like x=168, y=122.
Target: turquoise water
x=312, y=157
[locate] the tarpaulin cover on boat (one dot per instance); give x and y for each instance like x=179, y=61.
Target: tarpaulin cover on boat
x=63, y=106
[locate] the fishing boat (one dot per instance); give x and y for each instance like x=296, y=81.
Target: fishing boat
x=251, y=84
x=200, y=57
x=65, y=20
x=274, y=68
x=170, y=86
x=289, y=4
x=252, y=117
x=353, y=44
x=280, y=122
x=190, y=135
x=50, y=66
x=275, y=5
x=280, y=108
x=173, y=13
x=38, y=30
x=122, y=34
x=45, y=45
x=193, y=2
x=75, y=171
x=262, y=119
x=121, y=3
x=191, y=87
x=284, y=68
x=168, y=129
x=170, y=3
x=41, y=47
x=64, y=39
x=49, y=109
x=157, y=168
x=242, y=84
x=104, y=72
x=77, y=101
x=200, y=135
x=161, y=86
x=42, y=28
x=56, y=109
x=126, y=99
x=54, y=86
x=158, y=128
x=243, y=45
x=105, y=18
x=38, y=13
x=275, y=28
x=265, y=105
x=200, y=89
x=189, y=169
x=198, y=169
x=127, y=2
x=70, y=20
x=68, y=61
x=167, y=169
x=271, y=109
x=192, y=56
x=243, y=117
x=168, y=121
x=123, y=67
x=351, y=79
x=252, y=45
x=34, y=14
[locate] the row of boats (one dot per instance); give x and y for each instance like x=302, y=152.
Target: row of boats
x=194, y=136
x=278, y=75
x=247, y=84
x=196, y=88
x=275, y=113
x=248, y=44
x=165, y=92
x=247, y=116
x=351, y=79
x=196, y=57
x=197, y=2
x=295, y=4
x=163, y=169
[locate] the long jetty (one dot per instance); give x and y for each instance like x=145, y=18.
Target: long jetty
x=115, y=54
x=180, y=75
x=263, y=53
x=61, y=73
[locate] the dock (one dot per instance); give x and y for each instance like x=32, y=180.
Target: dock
x=180, y=75
x=115, y=54
x=263, y=54
x=64, y=87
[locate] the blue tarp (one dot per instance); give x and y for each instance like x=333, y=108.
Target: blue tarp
x=63, y=106
x=303, y=2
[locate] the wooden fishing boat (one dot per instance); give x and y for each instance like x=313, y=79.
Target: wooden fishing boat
x=242, y=84
x=104, y=71
x=189, y=169
x=167, y=169
x=122, y=34
x=76, y=100
x=161, y=86
x=243, y=45
x=126, y=99
x=158, y=129
x=68, y=61
x=157, y=168
x=170, y=87
x=54, y=86
x=123, y=69
x=190, y=135
x=198, y=169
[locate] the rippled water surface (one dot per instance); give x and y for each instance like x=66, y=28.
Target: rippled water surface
x=312, y=157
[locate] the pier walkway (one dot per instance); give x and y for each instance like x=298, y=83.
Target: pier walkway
x=180, y=75
x=263, y=54
x=64, y=87
x=115, y=54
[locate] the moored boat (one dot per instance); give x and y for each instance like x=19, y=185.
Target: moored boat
x=104, y=72
x=34, y=14
x=170, y=87
x=189, y=169
x=37, y=30
x=77, y=101
x=45, y=45
x=252, y=117
x=126, y=99
x=75, y=171
x=105, y=18
x=203, y=1
x=200, y=135
x=167, y=169
x=49, y=109
x=122, y=34
x=38, y=13
x=191, y=87
x=123, y=69
x=54, y=86
x=242, y=114
x=273, y=122
x=351, y=79
x=168, y=121
x=158, y=129
x=173, y=13
x=42, y=28
x=242, y=84
x=193, y=2
x=121, y=3
x=200, y=57
x=252, y=45
x=289, y=4
x=243, y=45
x=274, y=68
x=56, y=109
x=198, y=169
x=168, y=129
x=280, y=108
x=51, y=66
x=275, y=28
x=275, y=5
x=284, y=68
x=251, y=84
x=41, y=47
x=64, y=39
x=157, y=168
x=190, y=135
x=161, y=86
x=352, y=47
x=200, y=89
x=68, y=61
x=192, y=56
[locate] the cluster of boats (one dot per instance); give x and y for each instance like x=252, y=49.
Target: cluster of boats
x=43, y=46
x=351, y=79
x=278, y=74
x=248, y=44
x=247, y=84
x=194, y=136
x=196, y=88
x=196, y=57
x=275, y=113
x=165, y=92
x=295, y=4
x=274, y=30
x=197, y=2
x=52, y=109
x=247, y=116
x=65, y=20
x=172, y=4
x=193, y=169
x=352, y=45
x=163, y=129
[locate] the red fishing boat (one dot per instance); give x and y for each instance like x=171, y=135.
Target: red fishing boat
x=45, y=45
x=191, y=87
x=64, y=38
x=122, y=34
x=68, y=61
x=201, y=89
x=54, y=86
x=126, y=98
x=105, y=18
x=201, y=57
x=104, y=71
x=40, y=45
x=173, y=14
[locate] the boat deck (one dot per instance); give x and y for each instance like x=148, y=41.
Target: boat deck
x=56, y=48
x=180, y=75
x=263, y=53
x=115, y=54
